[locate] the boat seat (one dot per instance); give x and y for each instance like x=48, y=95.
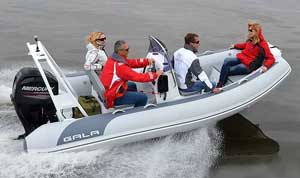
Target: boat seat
x=184, y=93
x=80, y=84
x=99, y=88
x=232, y=78
x=96, y=83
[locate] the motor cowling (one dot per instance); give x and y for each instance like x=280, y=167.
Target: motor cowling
x=31, y=98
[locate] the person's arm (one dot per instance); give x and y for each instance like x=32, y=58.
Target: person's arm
x=197, y=70
x=240, y=46
x=138, y=63
x=126, y=73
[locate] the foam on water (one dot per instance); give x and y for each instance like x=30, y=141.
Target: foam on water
x=188, y=154
x=4, y=94
x=6, y=83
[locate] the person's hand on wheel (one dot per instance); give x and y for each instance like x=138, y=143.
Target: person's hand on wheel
x=151, y=61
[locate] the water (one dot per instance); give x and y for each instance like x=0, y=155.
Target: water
x=173, y=156
x=181, y=155
x=62, y=27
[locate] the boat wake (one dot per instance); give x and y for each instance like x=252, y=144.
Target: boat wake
x=167, y=157
x=6, y=81
x=178, y=155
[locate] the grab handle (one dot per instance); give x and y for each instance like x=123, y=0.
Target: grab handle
x=243, y=81
x=118, y=111
x=150, y=105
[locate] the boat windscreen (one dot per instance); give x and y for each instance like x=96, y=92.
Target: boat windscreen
x=158, y=46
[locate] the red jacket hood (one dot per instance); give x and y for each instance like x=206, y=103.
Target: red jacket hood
x=260, y=35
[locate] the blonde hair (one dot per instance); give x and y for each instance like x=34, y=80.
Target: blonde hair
x=254, y=25
x=92, y=37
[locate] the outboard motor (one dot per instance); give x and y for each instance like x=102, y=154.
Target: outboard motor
x=31, y=99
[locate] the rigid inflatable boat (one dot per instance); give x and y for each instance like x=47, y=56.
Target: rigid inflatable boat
x=44, y=98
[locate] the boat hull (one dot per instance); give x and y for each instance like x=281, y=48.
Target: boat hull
x=182, y=115
x=172, y=113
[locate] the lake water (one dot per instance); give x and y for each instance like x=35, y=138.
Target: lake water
x=62, y=27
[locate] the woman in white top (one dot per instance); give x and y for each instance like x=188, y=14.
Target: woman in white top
x=95, y=57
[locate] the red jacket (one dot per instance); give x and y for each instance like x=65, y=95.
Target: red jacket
x=250, y=51
x=117, y=71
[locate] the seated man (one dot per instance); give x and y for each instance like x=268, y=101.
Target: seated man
x=116, y=73
x=187, y=67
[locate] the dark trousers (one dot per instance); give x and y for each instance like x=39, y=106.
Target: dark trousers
x=132, y=97
x=231, y=66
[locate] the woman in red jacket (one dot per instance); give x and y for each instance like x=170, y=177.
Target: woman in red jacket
x=255, y=53
x=118, y=71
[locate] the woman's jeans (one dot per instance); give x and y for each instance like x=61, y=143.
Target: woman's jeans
x=232, y=66
x=132, y=97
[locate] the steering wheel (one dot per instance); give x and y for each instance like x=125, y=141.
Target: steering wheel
x=152, y=68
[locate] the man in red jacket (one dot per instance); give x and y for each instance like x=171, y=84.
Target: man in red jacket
x=255, y=53
x=118, y=71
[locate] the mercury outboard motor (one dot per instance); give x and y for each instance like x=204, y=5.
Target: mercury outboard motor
x=31, y=99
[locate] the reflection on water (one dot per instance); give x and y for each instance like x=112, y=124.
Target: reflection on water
x=241, y=137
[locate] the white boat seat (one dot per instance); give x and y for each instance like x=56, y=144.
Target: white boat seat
x=80, y=83
x=184, y=93
x=234, y=78
x=99, y=88
x=231, y=78
x=96, y=83
x=124, y=106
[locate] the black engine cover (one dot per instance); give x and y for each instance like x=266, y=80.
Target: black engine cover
x=31, y=99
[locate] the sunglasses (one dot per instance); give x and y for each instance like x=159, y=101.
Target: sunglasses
x=197, y=42
x=125, y=49
x=101, y=39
